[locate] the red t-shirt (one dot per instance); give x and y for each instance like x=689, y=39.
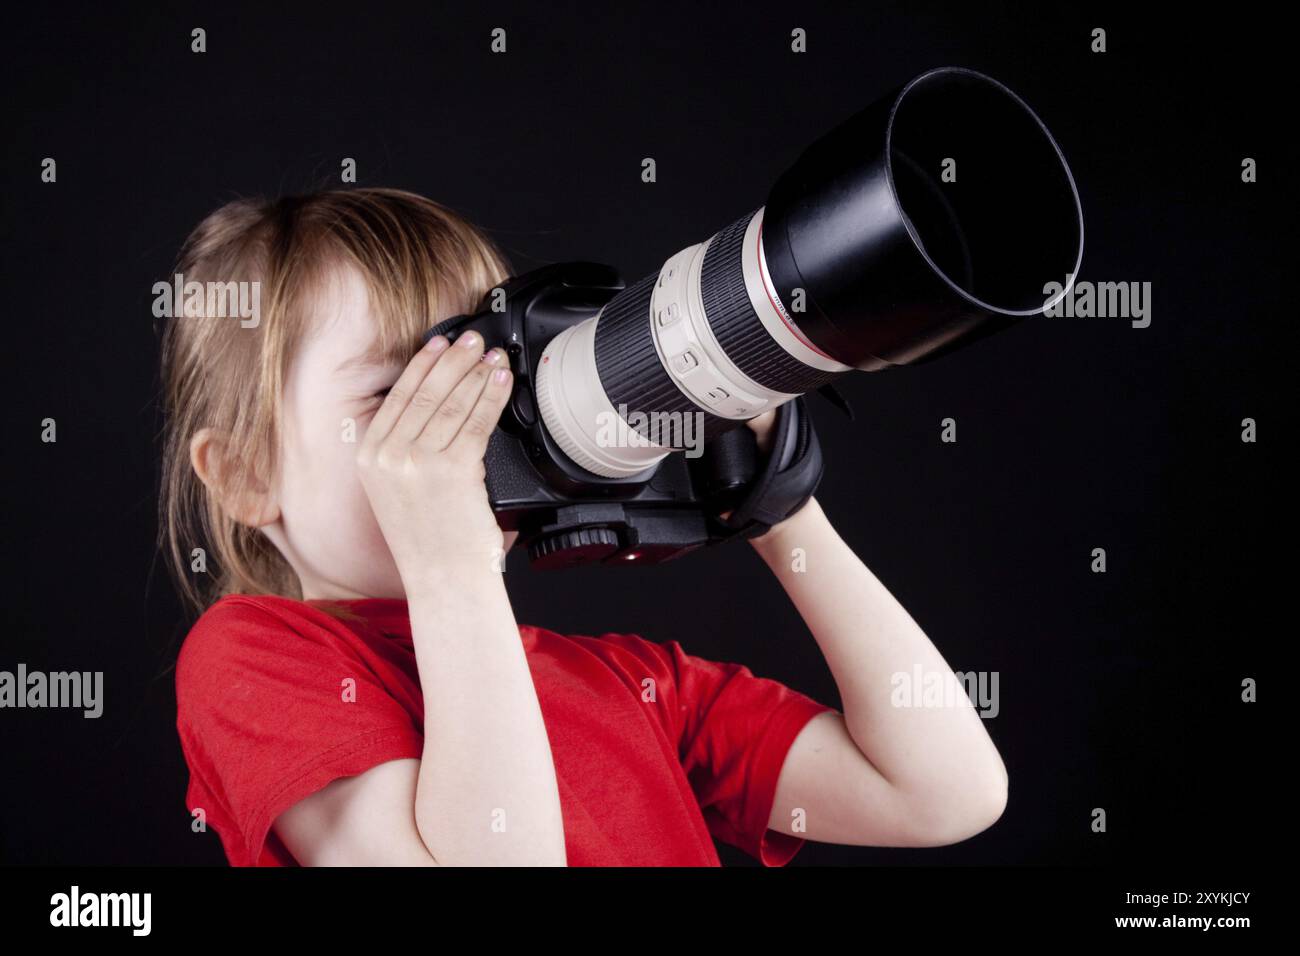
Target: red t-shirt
x=263, y=723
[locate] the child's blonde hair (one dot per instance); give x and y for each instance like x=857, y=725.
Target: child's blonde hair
x=421, y=263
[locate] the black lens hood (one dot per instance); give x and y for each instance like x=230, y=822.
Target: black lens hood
x=836, y=231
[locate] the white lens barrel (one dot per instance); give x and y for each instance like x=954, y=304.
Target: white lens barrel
x=585, y=423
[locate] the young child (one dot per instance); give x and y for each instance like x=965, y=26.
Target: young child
x=357, y=691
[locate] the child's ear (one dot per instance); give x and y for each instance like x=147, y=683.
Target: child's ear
x=255, y=505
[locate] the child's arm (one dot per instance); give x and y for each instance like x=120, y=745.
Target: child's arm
x=880, y=774
x=487, y=793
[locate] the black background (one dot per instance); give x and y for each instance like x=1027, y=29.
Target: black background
x=1118, y=690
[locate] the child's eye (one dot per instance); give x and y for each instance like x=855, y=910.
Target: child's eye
x=383, y=392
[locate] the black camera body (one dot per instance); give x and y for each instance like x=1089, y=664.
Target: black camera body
x=565, y=515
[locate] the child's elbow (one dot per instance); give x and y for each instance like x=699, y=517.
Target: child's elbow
x=965, y=808
x=991, y=802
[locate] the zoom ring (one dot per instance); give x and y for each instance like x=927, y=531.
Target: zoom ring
x=628, y=364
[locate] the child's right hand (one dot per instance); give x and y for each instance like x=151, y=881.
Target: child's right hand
x=421, y=460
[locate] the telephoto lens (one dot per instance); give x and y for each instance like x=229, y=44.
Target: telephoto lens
x=937, y=215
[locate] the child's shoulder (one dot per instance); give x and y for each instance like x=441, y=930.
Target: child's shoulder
x=243, y=621
x=257, y=609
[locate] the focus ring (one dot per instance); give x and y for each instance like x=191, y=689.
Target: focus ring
x=736, y=325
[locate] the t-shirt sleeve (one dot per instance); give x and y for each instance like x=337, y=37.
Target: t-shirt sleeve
x=269, y=713
x=733, y=731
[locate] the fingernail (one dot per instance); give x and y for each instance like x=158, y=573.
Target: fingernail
x=436, y=344
x=492, y=357
x=500, y=375
x=469, y=340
